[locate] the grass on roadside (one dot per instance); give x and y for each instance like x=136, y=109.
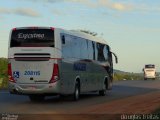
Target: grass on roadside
x=4, y=83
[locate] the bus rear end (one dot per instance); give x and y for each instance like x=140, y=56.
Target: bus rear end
x=33, y=67
x=149, y=72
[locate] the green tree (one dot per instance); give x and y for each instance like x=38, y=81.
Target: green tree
x=3, y=72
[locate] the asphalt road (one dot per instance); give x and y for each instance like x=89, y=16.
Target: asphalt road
x=17, y=104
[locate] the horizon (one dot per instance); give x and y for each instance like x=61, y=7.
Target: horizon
x=115, y=70
x=131, y=28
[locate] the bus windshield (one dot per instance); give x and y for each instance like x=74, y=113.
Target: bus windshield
x=32, y=38
x=149, y=66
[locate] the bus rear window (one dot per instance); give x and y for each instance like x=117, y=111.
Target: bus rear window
x=32, y=38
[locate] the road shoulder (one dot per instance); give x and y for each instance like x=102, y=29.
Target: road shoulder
x=140, y=104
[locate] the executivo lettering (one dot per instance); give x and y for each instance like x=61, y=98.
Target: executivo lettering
x=30, y=36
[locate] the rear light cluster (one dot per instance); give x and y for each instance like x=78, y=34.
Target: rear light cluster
x=11, y=79
x=52, y=28
x=55, y=74
x=14, y=29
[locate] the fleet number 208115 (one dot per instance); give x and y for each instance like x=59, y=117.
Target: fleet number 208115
x=36, y=73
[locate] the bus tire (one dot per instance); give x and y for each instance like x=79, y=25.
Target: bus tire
x=76, y=93
x=103, y=92
x=36, y=98
x=61, y=96
x=110, y=84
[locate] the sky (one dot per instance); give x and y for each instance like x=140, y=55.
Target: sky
x=131, y=27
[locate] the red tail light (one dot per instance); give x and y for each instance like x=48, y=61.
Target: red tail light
x=52, y=28
x=11, y=79
x=14, y=29
x=55, y=74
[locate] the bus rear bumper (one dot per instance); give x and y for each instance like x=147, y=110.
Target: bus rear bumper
x=27, y=89
x=149, y=77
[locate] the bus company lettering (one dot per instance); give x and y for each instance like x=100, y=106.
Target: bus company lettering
x=30, y=36
x=80, y=66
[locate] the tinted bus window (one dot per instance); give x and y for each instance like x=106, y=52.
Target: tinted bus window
x=83, y=48
x=94, y=50
x=67, y=47
x=106, y=53
x=76, y=47
x=100, y=48
x=32, y=38
x=149, y=66
x=90, y=51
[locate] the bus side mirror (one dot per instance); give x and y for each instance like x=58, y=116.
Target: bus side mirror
x=116, y=58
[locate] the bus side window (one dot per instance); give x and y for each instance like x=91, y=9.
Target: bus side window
x=109, y=54
x=90, y=51
x=67, y=47
x=100, y=49
x=63, y=39
x=76, y=47
x=83, y=48
x=106, y=52
x=94, y=50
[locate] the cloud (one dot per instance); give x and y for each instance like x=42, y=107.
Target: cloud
x=107, y=4
x=5, y=11
x=92, y=4
x=115, y=5
x=44, y=1
x=20, y=11
x=119, y=6
x=26, y=12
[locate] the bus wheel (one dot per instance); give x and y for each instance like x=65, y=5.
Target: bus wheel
x=110, y=84
x=76, y=93
x=36, y=98
x=103, y=92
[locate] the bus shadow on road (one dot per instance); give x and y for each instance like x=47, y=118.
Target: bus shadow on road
x=68, y=99
x=118, y=92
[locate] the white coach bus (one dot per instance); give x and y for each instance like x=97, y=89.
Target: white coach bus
x=49, y=61
x=149, y=71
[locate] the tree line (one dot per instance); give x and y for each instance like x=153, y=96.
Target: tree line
x=3, y=73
